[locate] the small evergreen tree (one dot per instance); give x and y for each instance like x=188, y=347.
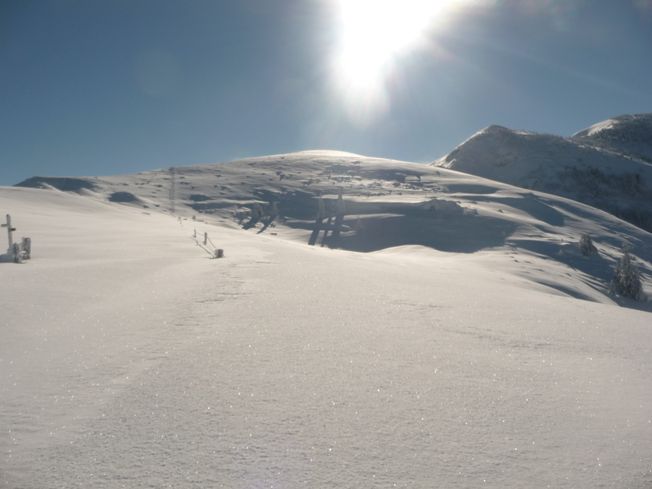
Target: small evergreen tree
x=627, y=280
x=587, y=248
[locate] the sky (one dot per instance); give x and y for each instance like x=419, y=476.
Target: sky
x=101, y=87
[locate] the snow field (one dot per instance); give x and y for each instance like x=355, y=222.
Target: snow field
x=129, y=359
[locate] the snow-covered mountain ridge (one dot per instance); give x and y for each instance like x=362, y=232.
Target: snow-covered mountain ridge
x=607, y=166
x=628, y=134
x=387, y=204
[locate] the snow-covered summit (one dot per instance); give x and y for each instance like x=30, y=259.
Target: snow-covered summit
x=601, y=166
x=627, y=134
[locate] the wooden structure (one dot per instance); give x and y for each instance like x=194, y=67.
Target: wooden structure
x=334, y=220
x=17, y=252
x=319, y=219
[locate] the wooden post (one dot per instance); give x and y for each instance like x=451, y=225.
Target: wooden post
x=339, y=218
x=173, y=189
x=257, y=213
x=26, y=247
x=318, y=222
x=273, y=212
x=328, y=227
x=10, y=231
x=205, y=238
x=15, y=251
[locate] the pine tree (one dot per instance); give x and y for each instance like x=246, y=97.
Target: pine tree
x=587, y=248
x=627, y=280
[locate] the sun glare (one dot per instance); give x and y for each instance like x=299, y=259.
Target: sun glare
x=373, y=34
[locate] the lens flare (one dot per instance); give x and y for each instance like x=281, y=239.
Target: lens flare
x=373, y=35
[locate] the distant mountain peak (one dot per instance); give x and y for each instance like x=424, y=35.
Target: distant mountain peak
x=622, y=122
x=608, y=165
x=626, y=134
x=495, y=128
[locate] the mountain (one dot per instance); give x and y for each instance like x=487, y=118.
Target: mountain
x=388, y=204
x=453, y=352
x=606, y=166
x=628, y=135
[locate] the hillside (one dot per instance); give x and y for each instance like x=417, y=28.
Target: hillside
x=387, y=204
x=602, y=166
x=130, y=359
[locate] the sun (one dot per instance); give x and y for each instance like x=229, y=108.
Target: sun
x=372, y=36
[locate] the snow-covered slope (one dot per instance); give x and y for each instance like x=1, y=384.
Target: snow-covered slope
x=585, y=168
x=627, y=134
x=130, y=359
x=387, y=204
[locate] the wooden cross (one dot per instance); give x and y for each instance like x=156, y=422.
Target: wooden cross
x=10, y=230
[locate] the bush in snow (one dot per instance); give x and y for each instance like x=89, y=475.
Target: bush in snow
x=627, y=280
x=586, y=245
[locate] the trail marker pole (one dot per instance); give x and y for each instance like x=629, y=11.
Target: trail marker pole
x=10, y=230
x=173, y=189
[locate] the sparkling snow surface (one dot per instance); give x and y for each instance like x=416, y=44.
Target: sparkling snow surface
x=129, y=359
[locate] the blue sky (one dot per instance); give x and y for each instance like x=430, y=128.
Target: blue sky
x=98, y=87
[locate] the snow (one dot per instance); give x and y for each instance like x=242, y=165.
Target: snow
x=628, y=134
x=601, y=126
x=456, y=358
x=605, y=166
